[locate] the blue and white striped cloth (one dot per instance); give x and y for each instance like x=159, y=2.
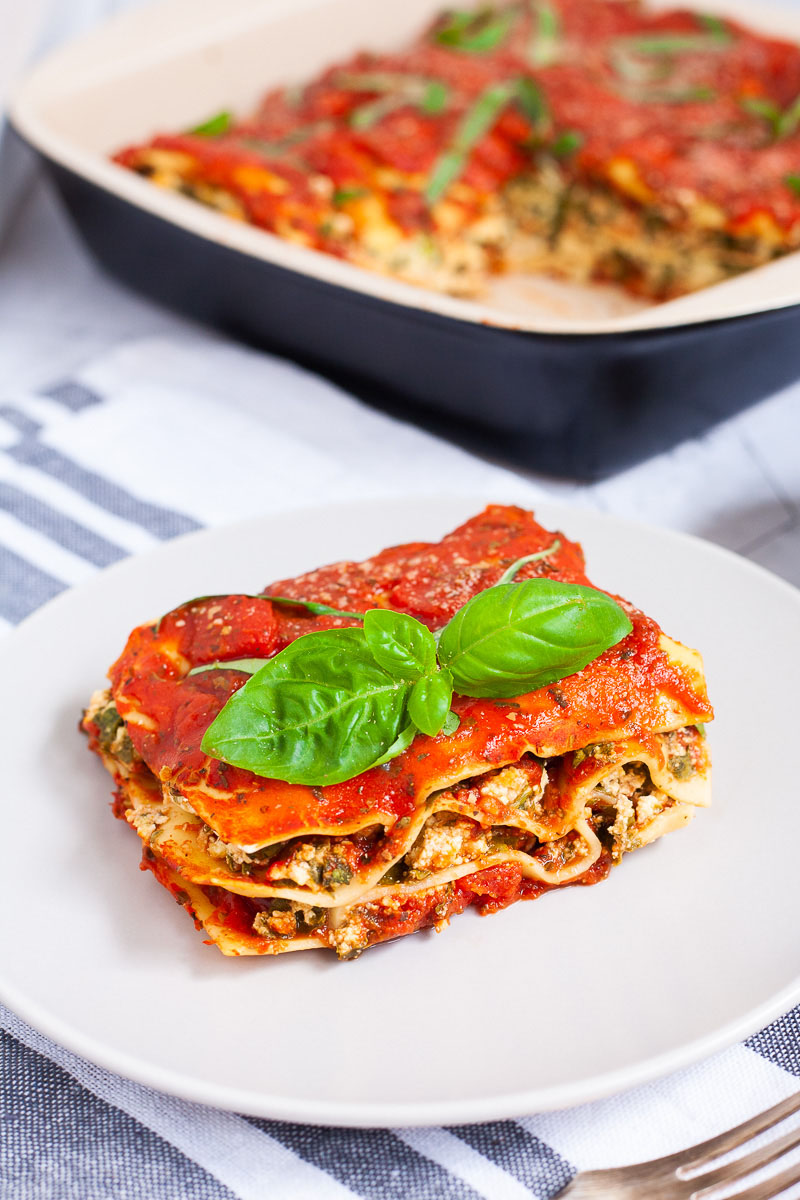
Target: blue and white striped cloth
x=162, y=435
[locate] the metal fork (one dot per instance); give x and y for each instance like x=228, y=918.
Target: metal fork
x=691, y=1173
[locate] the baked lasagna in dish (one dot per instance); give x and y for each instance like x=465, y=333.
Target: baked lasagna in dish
x=515, y=796
x=587, y=139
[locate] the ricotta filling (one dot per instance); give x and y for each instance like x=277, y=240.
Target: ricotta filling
x=331, y=861
x=449, y=841
x=628, y=795
x=622, y=807
x=544, y=220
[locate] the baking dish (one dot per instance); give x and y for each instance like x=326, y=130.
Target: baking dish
x=572, y=380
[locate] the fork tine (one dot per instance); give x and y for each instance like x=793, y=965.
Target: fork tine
x=771, y=1187
x=704, y=1153
x=683, y=1174
x=740, y=1168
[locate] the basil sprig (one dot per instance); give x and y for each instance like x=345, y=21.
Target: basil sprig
x=319, y=610
x=215, y=126
x=335, y=703
x=346, y=195
x=476, y=122
x=247, y=666
x=475, y=32
x=782, y=122
x=394, y=91
x=516, y=637
x=321, y=711
x=566, y=143
x=713, y=24
x=529, y=97
x=474, y=126
x=312, y=606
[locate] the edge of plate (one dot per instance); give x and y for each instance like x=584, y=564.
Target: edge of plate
x=407, y=1114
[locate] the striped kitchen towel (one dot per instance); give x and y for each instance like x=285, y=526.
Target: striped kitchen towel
x=169, y=435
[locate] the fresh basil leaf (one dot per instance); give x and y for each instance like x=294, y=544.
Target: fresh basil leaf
x=346, y=195
x=215, y=126
x=319, y=610
x=566, y=143
x=760, y=107
x=454, y=26
x=474, y=32
x=451, y=723
x=248, y=666
x=479, y=119
x=531, y=100
x=400, y=644
x=435, y=97
x=789, y=119
x=475, y=124
x=319, y=712
x=447, y=169
x=757, y=106
x=511, y=573
x=429, y=701
x=792, y=181
x=516, y=637
x=713, y=24
x=398, y=746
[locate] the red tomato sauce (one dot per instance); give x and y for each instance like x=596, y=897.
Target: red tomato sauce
x=683, y=118
x=167, y=711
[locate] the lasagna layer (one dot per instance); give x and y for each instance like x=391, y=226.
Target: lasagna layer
x=313, y=892
x=528, y=794
x=589, y=139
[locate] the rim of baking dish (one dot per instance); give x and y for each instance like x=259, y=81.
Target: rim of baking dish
x=158, y=32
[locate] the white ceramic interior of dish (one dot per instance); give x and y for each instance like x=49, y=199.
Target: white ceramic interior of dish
x=173, y=63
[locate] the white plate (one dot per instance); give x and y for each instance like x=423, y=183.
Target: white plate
x=689, y=945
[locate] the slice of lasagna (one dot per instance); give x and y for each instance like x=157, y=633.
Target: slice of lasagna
x=588, y=139
x=529, y=794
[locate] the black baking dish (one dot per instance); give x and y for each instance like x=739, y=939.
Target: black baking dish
x=562, y=386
